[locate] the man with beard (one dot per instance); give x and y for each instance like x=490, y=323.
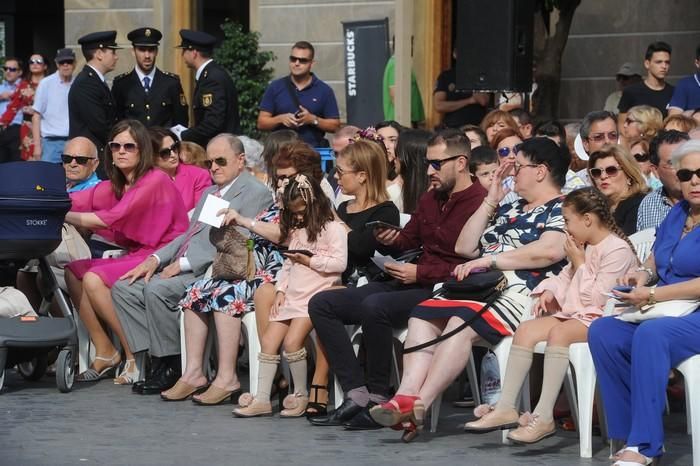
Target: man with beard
x=381, y=307
x=147, y=94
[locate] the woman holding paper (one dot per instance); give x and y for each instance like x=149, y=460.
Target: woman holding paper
x=138, y=208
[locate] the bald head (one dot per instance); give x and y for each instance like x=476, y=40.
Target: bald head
x=83, y=159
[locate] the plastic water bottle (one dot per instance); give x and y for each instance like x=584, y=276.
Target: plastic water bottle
x=490, y=379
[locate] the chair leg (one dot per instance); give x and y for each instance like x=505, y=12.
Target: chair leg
x=584, y=371
x=251, y=334
x=183, y=346
x=473, y=379
x=691, y=373
x=84, y=345
x=435, y=413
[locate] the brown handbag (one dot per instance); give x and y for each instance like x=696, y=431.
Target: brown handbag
x=234, y=254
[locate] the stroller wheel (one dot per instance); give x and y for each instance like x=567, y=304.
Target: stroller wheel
x=2, y=377
x=64, y=371
x=35, y=368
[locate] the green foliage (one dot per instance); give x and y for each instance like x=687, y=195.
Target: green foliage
x=247, y=65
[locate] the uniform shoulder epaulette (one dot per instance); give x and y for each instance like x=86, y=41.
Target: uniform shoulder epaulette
x=123, y=75
x=172, y=75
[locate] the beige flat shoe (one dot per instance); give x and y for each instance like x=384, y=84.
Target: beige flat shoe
x=216, y=396
x=181, y=391
x=496, y=419
x=295, y=405
x=254, y=409
x=532, y=429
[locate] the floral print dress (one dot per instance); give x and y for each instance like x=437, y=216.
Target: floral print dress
x=235, y=298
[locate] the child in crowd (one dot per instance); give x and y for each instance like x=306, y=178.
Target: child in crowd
x=307, y=220
x=566, y=304
x=483, y=164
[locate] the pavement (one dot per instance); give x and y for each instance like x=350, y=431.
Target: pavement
x=105, y=424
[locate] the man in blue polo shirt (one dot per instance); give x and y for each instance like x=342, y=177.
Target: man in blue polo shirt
x=686, y=96
x=300, y=101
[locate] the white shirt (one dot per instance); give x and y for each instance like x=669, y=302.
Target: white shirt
x=201, y=68
x=51, y=102
x=150, y=75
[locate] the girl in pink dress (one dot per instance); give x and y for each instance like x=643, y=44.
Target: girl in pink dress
x=140, y=209
x=599, y=253
x=307, y=220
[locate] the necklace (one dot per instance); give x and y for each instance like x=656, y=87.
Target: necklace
x=690, y=224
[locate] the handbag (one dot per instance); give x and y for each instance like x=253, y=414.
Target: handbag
x=671, y=308
x=72, y=248
x=234, y=254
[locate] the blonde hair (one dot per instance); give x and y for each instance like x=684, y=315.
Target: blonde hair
x=367, y=156
x=649, y=118
x=629, y=167
x=680, y=122
x=197, y=153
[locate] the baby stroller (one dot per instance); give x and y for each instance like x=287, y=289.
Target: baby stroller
x=33, y=205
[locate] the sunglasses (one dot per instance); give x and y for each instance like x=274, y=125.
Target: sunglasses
x=599, y=137
x=518, y=166
x=504, y=151
x=220, y=161
x=284, y=177
x=302, y=60
x=65, y=62
x=610, y=171
x=437, y=164
x=80, y=159
x=686, y=175
x=641, y=157
x=128, y=146
x=10, y=68
x=36, y=61
x=629, y=121
x=166, y=151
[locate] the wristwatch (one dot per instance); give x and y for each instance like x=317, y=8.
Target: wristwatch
x=494, y=266
x=652, y=296
x=315, y=122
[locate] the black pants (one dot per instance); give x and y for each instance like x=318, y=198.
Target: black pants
x=379, y=307
x=9, y=144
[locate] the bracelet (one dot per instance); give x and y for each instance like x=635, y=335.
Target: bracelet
x=648, y=271
x=489, y=204
x=494, y=265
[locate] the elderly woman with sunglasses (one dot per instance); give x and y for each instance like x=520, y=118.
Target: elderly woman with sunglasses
x=633, y=360
x=639, y=148
x=525, y=240
x=618, y=176
x=190, y=180
x=138, y=208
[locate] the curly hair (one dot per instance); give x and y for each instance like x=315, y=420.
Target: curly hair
x=318, y=211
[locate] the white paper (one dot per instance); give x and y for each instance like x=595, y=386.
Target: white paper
x=381, y=260
x=211, y=206
x=177, y=129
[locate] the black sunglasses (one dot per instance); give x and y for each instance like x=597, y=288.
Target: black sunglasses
x=610, y=171
x=117, y=146
x=437, y=164
x=166, y=151
x=65, y=62
x=302, y=60
x=641, y=157
x=10, y=68
x=686, y=175
x=36, y=61
x=80, y=159
x=220, y=161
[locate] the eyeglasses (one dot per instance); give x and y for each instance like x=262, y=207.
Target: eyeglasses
x=342, y=172
x=80, y=159
x=504, y=151
x=11, y=69
x=284, y=177
x=36, y=61
x=517, y=166
x=65, y=62
x=609, y=171
x=599, y=137
x=302, y=60
x=641, y=157
x=166, y=151
x=629, y=121
x=437, y=164
x=686, y=175
x=117, y=146
x=220, y=161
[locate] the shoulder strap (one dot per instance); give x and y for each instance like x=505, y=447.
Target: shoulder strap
x=292, y=91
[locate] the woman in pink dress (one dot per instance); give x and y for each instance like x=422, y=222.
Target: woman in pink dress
x=190, y=180
x=140, y=209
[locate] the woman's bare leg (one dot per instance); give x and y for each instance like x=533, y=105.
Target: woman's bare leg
x=263, y=299
x=416, y=365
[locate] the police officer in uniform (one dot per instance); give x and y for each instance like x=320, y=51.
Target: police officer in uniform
x=91, y=109
x=147, y=94
x=215, y=101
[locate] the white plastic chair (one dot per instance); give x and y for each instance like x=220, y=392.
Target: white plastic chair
x=690, y=368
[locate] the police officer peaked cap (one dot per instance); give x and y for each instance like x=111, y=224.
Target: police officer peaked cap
x=145, y=37
x=99, y=40
x=196, y=40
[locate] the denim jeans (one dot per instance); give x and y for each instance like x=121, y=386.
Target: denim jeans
x=51, y=150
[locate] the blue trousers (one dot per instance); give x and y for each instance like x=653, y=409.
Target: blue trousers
x=51, y=150
x=633, y=362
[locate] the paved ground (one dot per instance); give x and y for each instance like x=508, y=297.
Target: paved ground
x=106, y=424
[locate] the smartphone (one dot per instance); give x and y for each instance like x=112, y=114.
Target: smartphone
x=380, y=224
x=623, y=288
x=298, y=251
x=297, y=114
x=478, y=270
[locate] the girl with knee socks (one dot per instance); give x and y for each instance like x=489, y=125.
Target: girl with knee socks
x=307, y=220
x=565, y=305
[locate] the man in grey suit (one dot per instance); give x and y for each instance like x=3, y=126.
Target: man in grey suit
x=146, y=302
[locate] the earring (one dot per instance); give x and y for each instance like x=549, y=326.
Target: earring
x=629, y=182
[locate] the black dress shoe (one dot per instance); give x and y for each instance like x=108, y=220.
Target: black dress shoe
x=362, y=420
x=344, y=413
x=164, y=378
x=137, y=387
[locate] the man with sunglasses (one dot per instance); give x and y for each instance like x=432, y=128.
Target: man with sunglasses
x=598, y=128
x=79, y=158
x=215, y=100
x=146, y=301
x=657, y=204
x=50, y=119
x=9, y=136
x=147, y=94
x=91, y=107
x=300, y=101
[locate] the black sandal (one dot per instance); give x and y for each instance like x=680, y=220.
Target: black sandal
x=314, y=408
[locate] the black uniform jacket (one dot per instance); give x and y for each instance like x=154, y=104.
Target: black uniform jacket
x=91, y=108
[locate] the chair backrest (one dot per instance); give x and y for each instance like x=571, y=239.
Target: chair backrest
x=643, y=242
x=404, y=219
